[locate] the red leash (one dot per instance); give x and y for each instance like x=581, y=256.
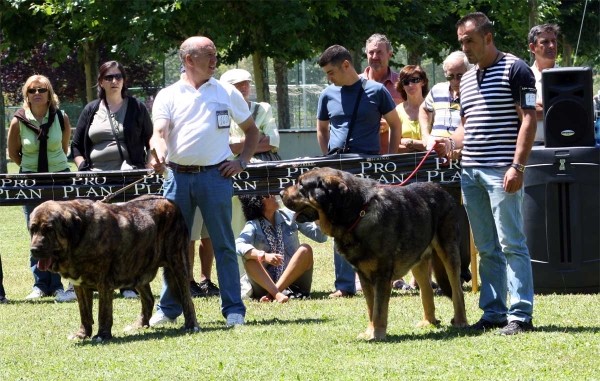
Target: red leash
x=444, y=164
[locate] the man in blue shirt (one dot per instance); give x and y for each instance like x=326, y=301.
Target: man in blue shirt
x=336, y=106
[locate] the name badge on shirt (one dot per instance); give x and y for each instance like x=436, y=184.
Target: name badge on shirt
x=223, y=120
x=528, y=96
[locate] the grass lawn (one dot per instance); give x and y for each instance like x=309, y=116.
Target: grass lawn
x=302, y=340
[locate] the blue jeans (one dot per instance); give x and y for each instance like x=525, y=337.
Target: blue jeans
x=504, y=261
x=344, y=274
x=212, y=193
x=46, y=281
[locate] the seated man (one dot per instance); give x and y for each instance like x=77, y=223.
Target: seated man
x=273, y=257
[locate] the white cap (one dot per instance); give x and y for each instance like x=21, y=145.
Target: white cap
x=234, y=76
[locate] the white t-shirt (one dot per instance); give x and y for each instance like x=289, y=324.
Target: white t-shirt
x=539, y=133
x=195, y=137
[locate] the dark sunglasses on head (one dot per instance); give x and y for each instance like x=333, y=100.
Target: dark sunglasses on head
x=110, y=77
x=40, y=90
x=412, y=80
x=451, y=77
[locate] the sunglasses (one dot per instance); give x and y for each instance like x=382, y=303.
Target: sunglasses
x=110, y=77
x=406, y=82
x=40, y=90
x=451, y=77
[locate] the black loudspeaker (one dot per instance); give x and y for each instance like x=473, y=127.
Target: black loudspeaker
x=568, y=107
x=561, y=219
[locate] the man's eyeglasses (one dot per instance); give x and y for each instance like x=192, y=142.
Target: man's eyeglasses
x=40, y=90
x=110, y=77
x=408, y=81
x=451, y=77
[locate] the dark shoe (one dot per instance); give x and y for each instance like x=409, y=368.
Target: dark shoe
x=401, y=285
x=295, y=292
x=484, y=325
x=515, y=327
x=3, y=300
x=340, y=294
x=209, y=288
x=196, y=290
x=466, y=276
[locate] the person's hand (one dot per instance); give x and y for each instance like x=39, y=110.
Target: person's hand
x=513, y=180
x=274, y=259
x=230, y=168
x=456, y=154
x=157, y=162
x=383, y=126
x=443, y=147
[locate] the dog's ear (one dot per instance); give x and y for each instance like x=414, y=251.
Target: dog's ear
x=70, y=225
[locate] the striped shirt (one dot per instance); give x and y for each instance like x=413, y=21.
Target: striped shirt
x=446, y=110
x=489, y=106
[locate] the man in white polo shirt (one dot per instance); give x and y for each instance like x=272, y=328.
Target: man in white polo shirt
x=191, y=137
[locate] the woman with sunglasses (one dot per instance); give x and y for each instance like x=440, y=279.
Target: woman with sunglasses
x=38, y=141
x=413, y=86
x=113, y=132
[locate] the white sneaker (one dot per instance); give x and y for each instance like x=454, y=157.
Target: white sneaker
x=159, y=319
x=129, y=294
x=36, y=294
x=234, y=319
x=65, y=296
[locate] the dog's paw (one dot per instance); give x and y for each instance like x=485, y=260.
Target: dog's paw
x=370, y=336
x=135, y=326
x=459, y=324
x=77, y=336
x=428, y=323
x=194, y=329
x=99, y=339
x=366, y=336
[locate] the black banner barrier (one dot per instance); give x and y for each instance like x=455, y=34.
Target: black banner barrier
x=258, y=178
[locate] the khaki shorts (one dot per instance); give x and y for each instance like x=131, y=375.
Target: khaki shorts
x=198, y=227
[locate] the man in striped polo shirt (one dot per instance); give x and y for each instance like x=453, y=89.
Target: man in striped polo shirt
x=497, y=131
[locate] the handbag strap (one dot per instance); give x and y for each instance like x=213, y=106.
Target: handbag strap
x=353, y=119
x=112, y=127
x=255, y=112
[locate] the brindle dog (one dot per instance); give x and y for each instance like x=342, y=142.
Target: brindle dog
x=103, y=247
x=384, y=232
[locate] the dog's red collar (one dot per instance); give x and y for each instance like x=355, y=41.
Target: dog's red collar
x=362, y=213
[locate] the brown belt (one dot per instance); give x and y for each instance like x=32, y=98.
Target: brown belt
x=179, y=168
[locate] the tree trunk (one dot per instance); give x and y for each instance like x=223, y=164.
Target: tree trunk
x=90, y=64
x=532, y=6
x=357, y=56
x=3, y=163
x=283, y=100
x=414, y=57
x=567, y=58
x=261, y=77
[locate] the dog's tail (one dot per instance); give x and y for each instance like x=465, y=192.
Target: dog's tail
x=441, y=276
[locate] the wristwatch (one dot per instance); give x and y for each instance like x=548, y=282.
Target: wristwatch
x=409, y=144
x=518, y=167
x=243, y=164
x=261, y=256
